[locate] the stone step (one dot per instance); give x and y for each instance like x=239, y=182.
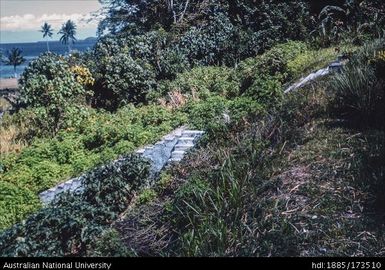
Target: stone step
x=67, y=186
x=178, y=133
x=177, y=155
x=186, y=140
x=169, y=138
x=172, y=160
x=182, y=147
x=192, y=133
x=140, y=151
x=178, y=152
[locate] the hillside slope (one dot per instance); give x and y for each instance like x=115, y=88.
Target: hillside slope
x=305, y=180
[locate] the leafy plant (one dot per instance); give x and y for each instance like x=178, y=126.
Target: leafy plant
x=203, y=82
x=73, y=224
x=15, y=204
x=128, y=80
x=49, y=83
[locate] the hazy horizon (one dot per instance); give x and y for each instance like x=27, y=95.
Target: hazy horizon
x=21, y=20
x=44, y=41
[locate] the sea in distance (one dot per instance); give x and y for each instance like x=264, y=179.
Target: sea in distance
x=31, y=51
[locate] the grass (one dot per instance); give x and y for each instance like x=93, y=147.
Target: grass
x=9, y=141
x=327, y=192
x=312, y=60
x=298, y=183
x=4, y=105
x=360, y=88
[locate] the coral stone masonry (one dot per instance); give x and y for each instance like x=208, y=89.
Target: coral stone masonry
x=171, y=148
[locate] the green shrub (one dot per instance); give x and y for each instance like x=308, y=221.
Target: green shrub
x=15, y=204
x=35, y=123
x=46, y=174
x=26, y=122
x=110, y=244
x=92, y=139
x=312, y=60
x=273, y=63
x=266, y=89
x=76, y=221
x=216, y=114
x=214, y=44
x=146, y=196
x=172, y=61
x=49, y=83
x=203, y=82
x=138, y=125
x=123, y=147
x=39, y=176
x=126, y=66
x=75, y=117
x=128, y=80
x=309, y=61
x=244, y=107
x=208, y=114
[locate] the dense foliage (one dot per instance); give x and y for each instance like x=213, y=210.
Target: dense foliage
x=267, y=186
x=89, y=139
x=71, y=226
x=49, y=83
x=219, y=66
x=355, y=20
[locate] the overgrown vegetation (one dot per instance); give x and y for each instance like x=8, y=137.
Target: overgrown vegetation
x=89, y=138
x=360, y=89
x=71, y=225
x=298, y=182
x=275, y=175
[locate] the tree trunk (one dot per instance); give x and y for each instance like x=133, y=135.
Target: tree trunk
x=47, y=46
x=14, y=69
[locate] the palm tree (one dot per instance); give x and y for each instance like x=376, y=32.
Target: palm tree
x=68, y=32
x=14, y=58
x=46, y=29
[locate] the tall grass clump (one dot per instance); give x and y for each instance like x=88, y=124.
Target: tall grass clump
x=360, y=89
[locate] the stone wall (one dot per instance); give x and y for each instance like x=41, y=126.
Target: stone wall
x=171, y=148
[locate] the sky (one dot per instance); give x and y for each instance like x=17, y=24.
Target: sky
x=21, y=20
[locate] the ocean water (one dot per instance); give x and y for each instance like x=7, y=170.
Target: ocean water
x=33, y=50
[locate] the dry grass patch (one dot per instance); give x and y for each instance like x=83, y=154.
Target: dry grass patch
x=9, y=140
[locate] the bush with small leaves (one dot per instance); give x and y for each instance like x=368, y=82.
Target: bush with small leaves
x=48, y=82
x=15, y=204
x=75, y=221
x=128, y=80
x=203, y=82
